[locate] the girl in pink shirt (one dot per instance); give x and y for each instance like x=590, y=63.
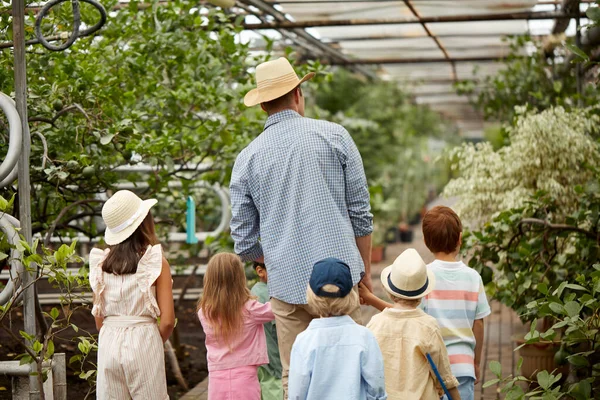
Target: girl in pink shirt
x=233, y=324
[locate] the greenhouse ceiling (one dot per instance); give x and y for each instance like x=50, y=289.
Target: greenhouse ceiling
x=424, y=45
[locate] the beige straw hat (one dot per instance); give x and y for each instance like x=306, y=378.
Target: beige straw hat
x=123, y=213
x=408, y=277
x=273, y=80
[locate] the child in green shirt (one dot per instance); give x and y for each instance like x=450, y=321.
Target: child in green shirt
x=269, y=375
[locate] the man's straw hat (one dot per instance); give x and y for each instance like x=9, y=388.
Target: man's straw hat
x=408, y=277
x=273, y=80
x=123, y=213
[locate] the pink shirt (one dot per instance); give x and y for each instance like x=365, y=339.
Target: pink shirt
x=248, y=348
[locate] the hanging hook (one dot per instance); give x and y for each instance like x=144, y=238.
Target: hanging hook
x=75, y=33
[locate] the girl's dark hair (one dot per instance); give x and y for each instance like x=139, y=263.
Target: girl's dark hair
x=123, y=258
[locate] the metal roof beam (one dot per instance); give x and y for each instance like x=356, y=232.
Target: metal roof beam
x=284, y=2
x=377, y=61
x=286, y=24
x=300, y=32
x=447, y=36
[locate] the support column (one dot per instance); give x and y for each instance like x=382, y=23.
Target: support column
x=24, y=186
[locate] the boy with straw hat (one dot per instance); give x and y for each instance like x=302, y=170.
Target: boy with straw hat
x=298, y=195
x=406, y=334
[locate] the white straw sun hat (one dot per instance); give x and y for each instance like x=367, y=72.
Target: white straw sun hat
x=408, y=277
x=123, y=213
x=273, y=80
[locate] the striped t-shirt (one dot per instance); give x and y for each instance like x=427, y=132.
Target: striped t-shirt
x=456, y=302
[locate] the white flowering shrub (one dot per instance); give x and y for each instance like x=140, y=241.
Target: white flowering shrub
x=552, y=150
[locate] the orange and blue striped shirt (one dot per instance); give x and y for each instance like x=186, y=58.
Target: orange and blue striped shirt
x=456, y=302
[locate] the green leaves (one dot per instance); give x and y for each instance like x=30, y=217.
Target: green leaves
x=547, y=380
x=496, y=368
x=593, y=13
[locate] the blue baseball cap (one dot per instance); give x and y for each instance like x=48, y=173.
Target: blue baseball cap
x=331, y=271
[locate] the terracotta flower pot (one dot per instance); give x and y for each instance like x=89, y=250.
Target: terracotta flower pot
x=377, y=254
x=538, y=357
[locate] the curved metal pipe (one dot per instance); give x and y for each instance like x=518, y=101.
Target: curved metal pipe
x=15, y=136
x=8, y=224
x=11, y=177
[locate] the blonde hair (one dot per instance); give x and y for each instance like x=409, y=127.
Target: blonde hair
x=405, y=302
x=225, y=293
x=331, y=306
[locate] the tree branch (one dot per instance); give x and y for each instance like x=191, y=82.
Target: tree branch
x=62, y=214
x=557, y=227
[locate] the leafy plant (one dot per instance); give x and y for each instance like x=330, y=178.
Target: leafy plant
x=574, y=310
x=529, y=78
x=552, y=151
x=534, y=247
x=159, y=85
x=44, y=263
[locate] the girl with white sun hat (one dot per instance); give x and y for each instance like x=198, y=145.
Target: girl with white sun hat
x=132, y=286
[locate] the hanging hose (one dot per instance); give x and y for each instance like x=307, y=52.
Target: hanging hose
x=75, y=33
x=15, y=137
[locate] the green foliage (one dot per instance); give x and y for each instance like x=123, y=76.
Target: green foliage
x=529, y=78
x=391, y=133
x=534, y=247
x=574, y=311
x=553, y=150
x=51, y=265
x=161, y=86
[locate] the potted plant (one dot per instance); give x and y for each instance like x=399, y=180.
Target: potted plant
x=378, y=247
x=531, y=252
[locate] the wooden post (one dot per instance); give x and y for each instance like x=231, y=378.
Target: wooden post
x=24, y=187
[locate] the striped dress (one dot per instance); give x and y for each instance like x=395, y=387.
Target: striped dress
x=131, y=361
x=456, y=302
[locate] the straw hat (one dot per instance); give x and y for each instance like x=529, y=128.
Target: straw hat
x=273, y=80
x=123, y=213
x=408, y=277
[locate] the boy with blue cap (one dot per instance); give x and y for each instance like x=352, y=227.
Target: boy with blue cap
x=335, y=358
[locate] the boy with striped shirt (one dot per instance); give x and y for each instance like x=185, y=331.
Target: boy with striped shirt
x=458, y=301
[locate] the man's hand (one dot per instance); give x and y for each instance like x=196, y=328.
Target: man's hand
x=477, y=373
x=364, y=293
x=366, y=280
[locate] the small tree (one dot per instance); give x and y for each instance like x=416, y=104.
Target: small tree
x=552, y=151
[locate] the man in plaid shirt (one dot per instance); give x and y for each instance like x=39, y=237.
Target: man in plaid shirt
x=298, y=195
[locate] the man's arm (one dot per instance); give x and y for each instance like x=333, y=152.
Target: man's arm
x=364, y=247
x=358, y=201
x=478, y=331
x=245, y=222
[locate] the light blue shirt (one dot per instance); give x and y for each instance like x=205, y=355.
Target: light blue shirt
x=299, y=195
x=335, y=358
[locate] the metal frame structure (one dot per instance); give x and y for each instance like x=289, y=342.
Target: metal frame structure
x=342, y=26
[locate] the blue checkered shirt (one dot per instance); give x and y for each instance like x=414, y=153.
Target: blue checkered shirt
x=298, y=195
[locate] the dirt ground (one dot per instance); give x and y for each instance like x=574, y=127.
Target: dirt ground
x=193, y=365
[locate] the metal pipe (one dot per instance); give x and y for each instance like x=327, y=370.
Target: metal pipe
x=444, y=36
x=14, y=138
x=13, y=368
x=284, y=2
x=24, y=188
x=287, y=24
x=8, y=224
x=376, y=61
x=578, y=67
